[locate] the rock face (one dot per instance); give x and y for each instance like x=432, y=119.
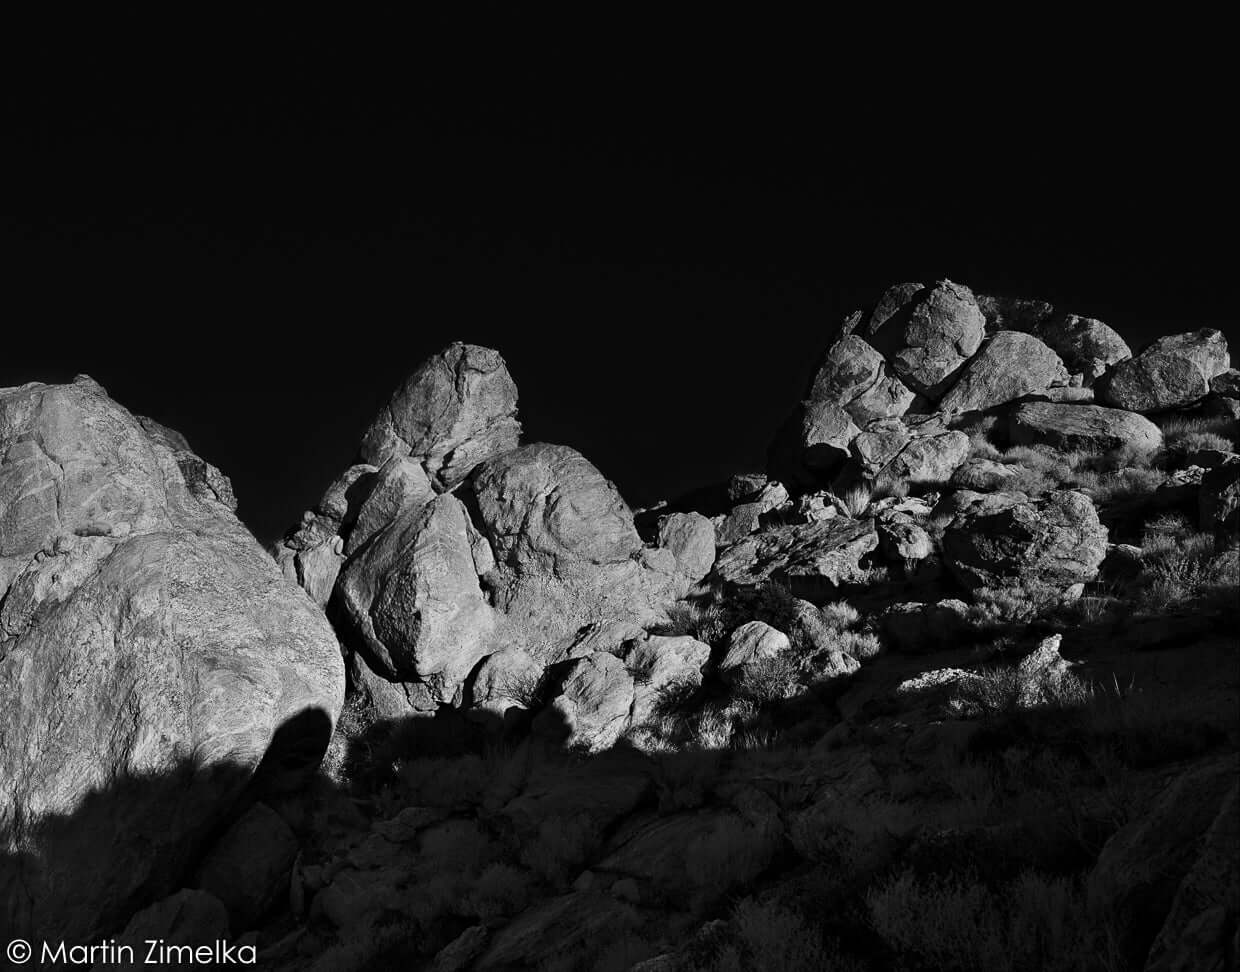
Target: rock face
x=143, y=631
x=1090, y=428
x=827, y=553
x=753, y=641
x=415, y=599
x=1009, y=366
x=454, y=412
x=566, y=550
x=1173, y=371
x=1087, y=346
x=448, y=542
x=691, y=539
x=930, y=336
x=1058, y=542
x=1219, y=502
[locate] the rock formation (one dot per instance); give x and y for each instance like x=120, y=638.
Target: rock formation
x=151, y=658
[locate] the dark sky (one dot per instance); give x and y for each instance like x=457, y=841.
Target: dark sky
x=259, y=261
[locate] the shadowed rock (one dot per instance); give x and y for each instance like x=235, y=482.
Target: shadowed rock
x=1057, y=542
x=142, y=626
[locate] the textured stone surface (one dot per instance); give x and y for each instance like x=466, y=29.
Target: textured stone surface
x=1175, y=370
x=1091, y=428
x=590, y=703
x=1058, y=542
x=1219, y=502
x=691, y=539
x=1009, y=366
x=458, y=409
x=828, y=551
x=753, y=641
x=143, y=629
x=566, y=550
x=414, y=602
x=1087, y=346
x=942, y=329
x=1226, y=384
x=661, y=664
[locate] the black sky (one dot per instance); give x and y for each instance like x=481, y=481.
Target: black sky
x=259, y=260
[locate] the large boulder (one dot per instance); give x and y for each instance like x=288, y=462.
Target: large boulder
x=566, y=550
x=1175, y=370
x=931, y=336
x=591, y=701
x=691, y=539
x=753, y=642
x=457, y=410
x=1089, y=428
x=916, y=451
x=1058, y=542
x=1087, y=346
x=152, y=659
x=826, y=552
x=855, y=377
x=414, y=603
x=1009, y=366
x=1219, y=502
x=661, y=666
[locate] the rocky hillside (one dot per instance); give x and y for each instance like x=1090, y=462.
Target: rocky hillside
x=952, y=684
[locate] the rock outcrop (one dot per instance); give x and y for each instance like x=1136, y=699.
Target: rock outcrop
x=1090, y=428
x=1174, y=371
x=1057, y=542
x=151, y=658
x=1009, y=366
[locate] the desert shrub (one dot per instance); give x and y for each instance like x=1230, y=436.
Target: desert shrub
x=528, y=688
x=683, y=780
x=732, y=853
x=1202, y=441
x=771, y=937
x=850, y=838
x=839, y=615
x=1033, y=482
x=1033, y=924
x=1004, y=690
x=1020, y=604
x=855, y=502
x=862, y=645
x=705, y=622
x=1122, y=485
x=1178, y=429
x=561, y=848
x=1179, y=569
x=500, y=891
x=887, y=486
x=770, y=680
x=448, y=782
x=1165, y=530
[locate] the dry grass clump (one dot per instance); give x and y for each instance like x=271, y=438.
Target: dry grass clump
x=855, y=502
x=705, y=622
x=1035, y=923
x=1179, y=430
x=773, y=937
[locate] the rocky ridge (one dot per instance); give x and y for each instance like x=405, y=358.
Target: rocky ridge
x=871, y=677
